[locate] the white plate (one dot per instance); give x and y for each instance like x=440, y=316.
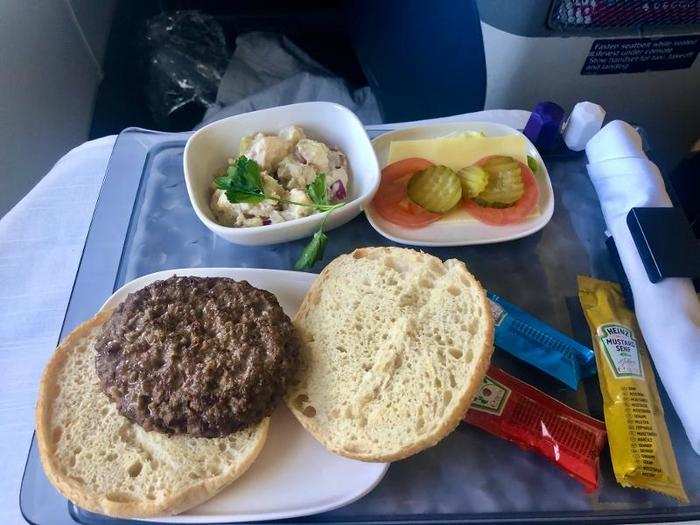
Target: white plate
x=461, y=234
x=294, y=474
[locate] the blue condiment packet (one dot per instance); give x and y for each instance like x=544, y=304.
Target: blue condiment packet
x=540, y=345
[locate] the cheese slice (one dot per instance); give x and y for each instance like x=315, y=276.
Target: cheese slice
x=457, y=151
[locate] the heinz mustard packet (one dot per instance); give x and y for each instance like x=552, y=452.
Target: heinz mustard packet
x=640, y=445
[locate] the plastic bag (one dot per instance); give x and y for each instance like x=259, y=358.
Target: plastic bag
x=186, y=59
x=267, y=70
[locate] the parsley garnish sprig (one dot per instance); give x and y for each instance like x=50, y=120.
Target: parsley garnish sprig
x=243, y=184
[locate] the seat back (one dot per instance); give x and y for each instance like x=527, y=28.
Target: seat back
x=423, y=59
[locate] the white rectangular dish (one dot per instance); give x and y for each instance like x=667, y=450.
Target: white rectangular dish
x=294, y=474
x=442, y=233
x=207, y=151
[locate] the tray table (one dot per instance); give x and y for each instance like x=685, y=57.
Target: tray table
x=143, y=222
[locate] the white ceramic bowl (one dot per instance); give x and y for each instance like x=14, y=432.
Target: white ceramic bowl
x=207, y=151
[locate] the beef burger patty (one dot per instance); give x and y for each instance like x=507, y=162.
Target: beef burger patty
x=202, y=356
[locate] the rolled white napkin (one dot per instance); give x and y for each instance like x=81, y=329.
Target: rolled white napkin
x=668, y=312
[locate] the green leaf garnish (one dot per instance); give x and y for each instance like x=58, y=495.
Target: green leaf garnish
x=317, y=191
x=313, y=252
x=532, y=164
x=318, y=194
x=242, y=182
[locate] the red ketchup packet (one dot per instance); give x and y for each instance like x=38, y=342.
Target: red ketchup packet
x=506, y=407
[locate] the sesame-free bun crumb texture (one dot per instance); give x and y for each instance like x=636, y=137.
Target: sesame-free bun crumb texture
x=395, y=344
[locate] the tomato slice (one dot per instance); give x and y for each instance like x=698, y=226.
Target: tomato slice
x=391, y=201
x=407, y=213
x=513, y=214
x=401, y=168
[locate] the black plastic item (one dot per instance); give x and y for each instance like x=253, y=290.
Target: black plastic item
x=421, y=59
x=186, y=59
x=685, y=180
x=665, y=242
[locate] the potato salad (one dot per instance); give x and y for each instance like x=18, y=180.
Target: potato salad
x=289, y=162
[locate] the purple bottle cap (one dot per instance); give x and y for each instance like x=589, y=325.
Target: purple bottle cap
x=544, y=126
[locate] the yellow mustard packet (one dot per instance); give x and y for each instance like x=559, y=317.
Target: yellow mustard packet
x=640, y=445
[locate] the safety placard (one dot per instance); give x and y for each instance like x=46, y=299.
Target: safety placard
x=635, y=55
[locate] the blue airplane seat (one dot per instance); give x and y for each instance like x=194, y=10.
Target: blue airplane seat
x=422, y=59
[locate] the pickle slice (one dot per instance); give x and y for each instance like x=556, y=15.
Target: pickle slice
x=505, y=186
x=437, y=189
x=498, y=163
x=532, y=164
x=474, y=180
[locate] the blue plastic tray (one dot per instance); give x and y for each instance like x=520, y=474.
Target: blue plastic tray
x=143, y=223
